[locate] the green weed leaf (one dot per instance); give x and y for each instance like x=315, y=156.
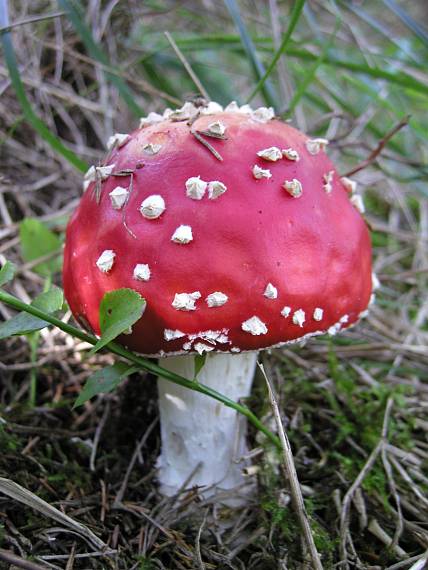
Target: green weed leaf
x=24, y=323
x=199, y=363
x=50, y=301
x=119, y=310
x=36, y=241
x=7, y=273
x=104, y=381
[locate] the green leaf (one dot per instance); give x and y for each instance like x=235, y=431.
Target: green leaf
x=199, y=363
x=119, y=310
x=37, y=241
x=50, y=301
x=7, y=272
x=104, y=381
x=24, y=323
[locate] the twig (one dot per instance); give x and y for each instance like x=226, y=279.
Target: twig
x=207, y=145
x=97, y=436
x=97, y=554
x=184, y=486
x=406, y=477
x=290, y=469
x=344, y=515
x=31, y=20
x=104, y=501
x=251, y=538
x=360, y=505
x=187, y=66
x=420, y=561
x=378, y=532
x=124, y=222
x=198, y=543
x=141, y=511
x=381, y=144
x=393, y=488
x=22, y=495
x=120, y=494
x=70, y=561
x=11, y=558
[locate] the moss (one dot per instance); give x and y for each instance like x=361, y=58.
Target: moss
x=282, y=518
x=326, y=545
x=144, y=563
x=9, y=441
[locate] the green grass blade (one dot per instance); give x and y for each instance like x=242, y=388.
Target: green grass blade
x=382, y=29
x=232, y=43
x=161, y=81
x=407, y=20
x=38, y=125
x=395, y=77
x=364, y=89
x=250, y=50
x=310, y=75
x=294, y=18
x=98, y=54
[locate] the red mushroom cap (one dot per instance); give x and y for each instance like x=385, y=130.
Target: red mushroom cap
x=236, y=229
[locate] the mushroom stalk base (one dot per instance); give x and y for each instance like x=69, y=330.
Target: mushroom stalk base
x=203, y=441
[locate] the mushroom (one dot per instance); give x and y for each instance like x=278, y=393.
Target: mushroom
x=231, y=258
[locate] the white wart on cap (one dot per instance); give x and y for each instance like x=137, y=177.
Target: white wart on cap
x=183, y=234
x=118, y=197
x=106, y=260
x=195, y=188
x=142, y=272
x=153, y=207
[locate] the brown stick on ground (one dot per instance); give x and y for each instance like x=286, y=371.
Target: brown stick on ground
x=11, y=558
x=381, y=144
x=346, y=503
x=290, y=470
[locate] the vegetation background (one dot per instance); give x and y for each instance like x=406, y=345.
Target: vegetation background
x=354, y=406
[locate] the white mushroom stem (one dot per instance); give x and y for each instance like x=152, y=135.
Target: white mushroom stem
x=204, y=441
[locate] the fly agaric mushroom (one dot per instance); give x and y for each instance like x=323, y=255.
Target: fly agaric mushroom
x=240, y=235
